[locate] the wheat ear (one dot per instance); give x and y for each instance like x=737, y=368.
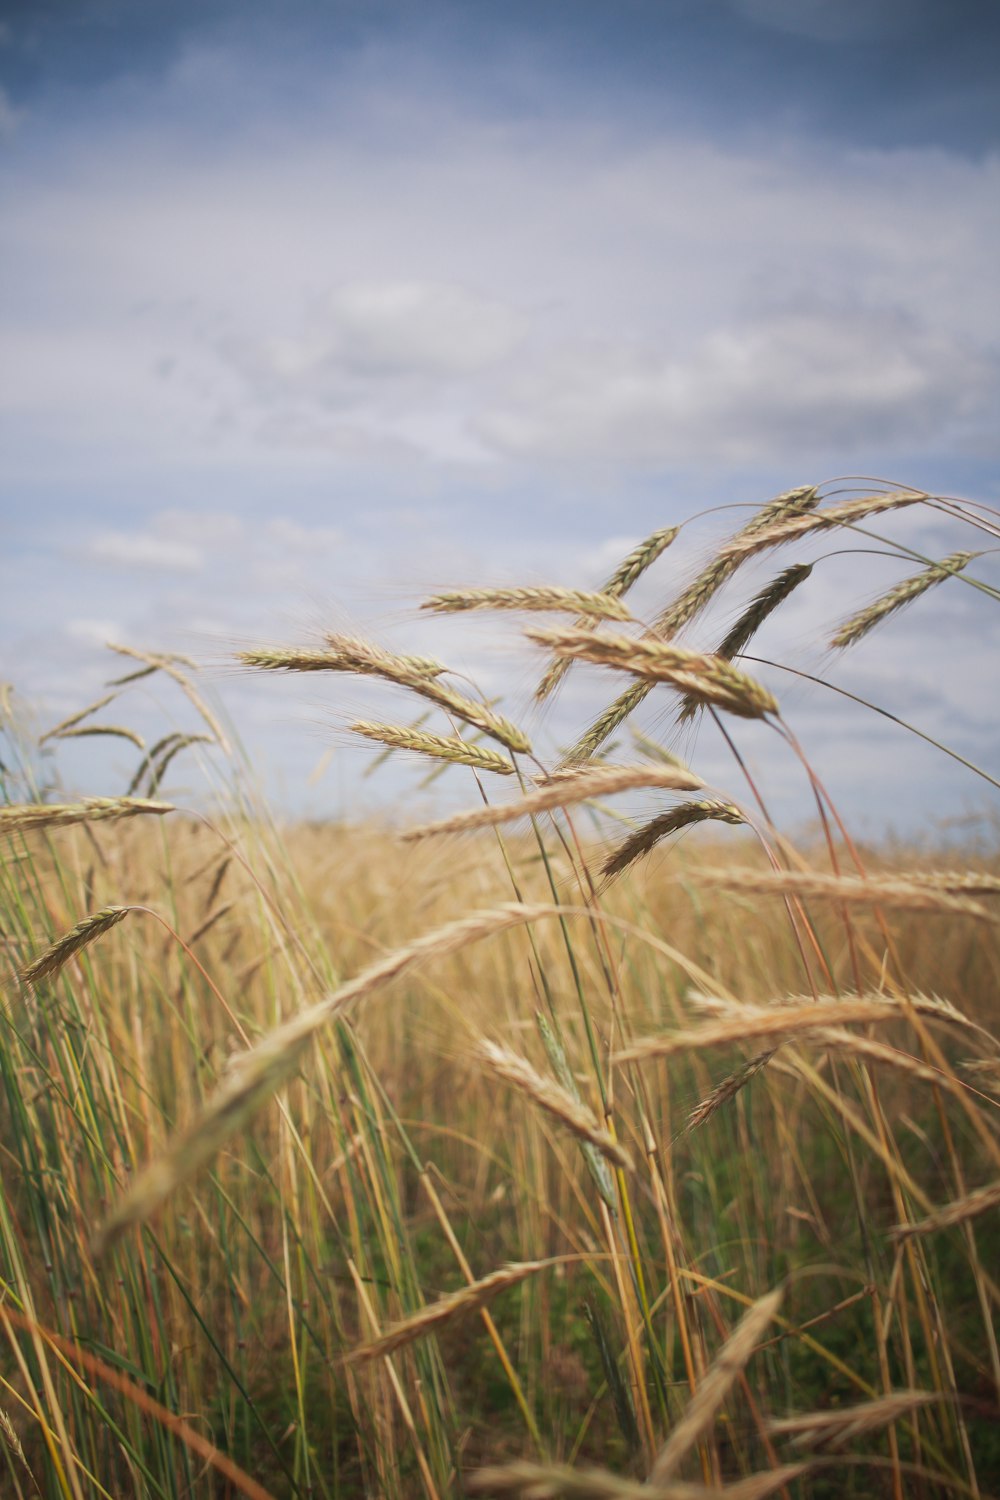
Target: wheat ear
x=599, y=781
x=437, y=1314
x=27, y=817
x=595, y=606
x=628, y=572
x=437, y=746
x=63, y=949
x=554, y=1100
x=857, y=626
x=646, y=838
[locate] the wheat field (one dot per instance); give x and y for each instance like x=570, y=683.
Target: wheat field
x=545, y=1148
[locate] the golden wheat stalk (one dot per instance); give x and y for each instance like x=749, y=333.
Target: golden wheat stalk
x=77, y=718
x=118, y=731
x=554, y=1100
x=969, y=1207
x=628, y=572
x=606, y=723
x=595, y=606
x=30, y=816
x=650, y=834
x=86, y=931
x=723, y=1092
x=702, y=590
x=857, y=626
x=969, y=882
x=835, y=1429
x=418, y=674
x=705, y=678
x=714, y=1386
x=933, y=1007
x=790, y=529
x=436, y=1315
x=875, y=890
x=750, y=621
x=439, y=747
x=682, y=610
x=745, y=1021
x=601, y=781
x=166, y=663
x=255, y=1076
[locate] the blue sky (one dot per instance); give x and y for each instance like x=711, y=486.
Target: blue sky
x=307, y=309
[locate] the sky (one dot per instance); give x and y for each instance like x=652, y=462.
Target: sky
x=307, y=310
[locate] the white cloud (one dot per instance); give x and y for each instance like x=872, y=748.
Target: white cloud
x=822, y=382
x=145, y=550
x=93, y=632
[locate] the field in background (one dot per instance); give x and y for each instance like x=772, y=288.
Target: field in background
x=687, y=1176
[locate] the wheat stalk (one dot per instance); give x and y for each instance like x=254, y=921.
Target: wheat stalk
x=646, y=838
x=86, y=931
x=715, y=1385
x=597, y=606
x=439, y=747
x=418, y=674
x=705, y=678
x=554, y=1100
x=969, y=1207
x=834, y=1429
x=857, y=626
x=437, y=1314
x=601, y=781
x=27, y=817
x=628, y=572
x=791, y=528
x=898, y=891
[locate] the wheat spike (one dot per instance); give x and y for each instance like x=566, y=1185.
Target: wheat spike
x=746, y=544
x=628, y=572
x=457, y=1304
x=27, y=817
x=968, y=1207
x=876, y=890
x=119, y=731
x=646, y=838
x=166, y=663
x=857, y=626
x=419, y=674
x=439, y=747
x=706, y=678
x=832, y=1430
x=753, y=617
x=730, y=1086
x=60, y=952
x=600, y=781
x=77, y=718
x=554, y=1100
x=573, y=601
x=790, y=506
x=715, y=1386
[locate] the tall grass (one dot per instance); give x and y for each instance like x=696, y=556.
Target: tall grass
x=503, y=1157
